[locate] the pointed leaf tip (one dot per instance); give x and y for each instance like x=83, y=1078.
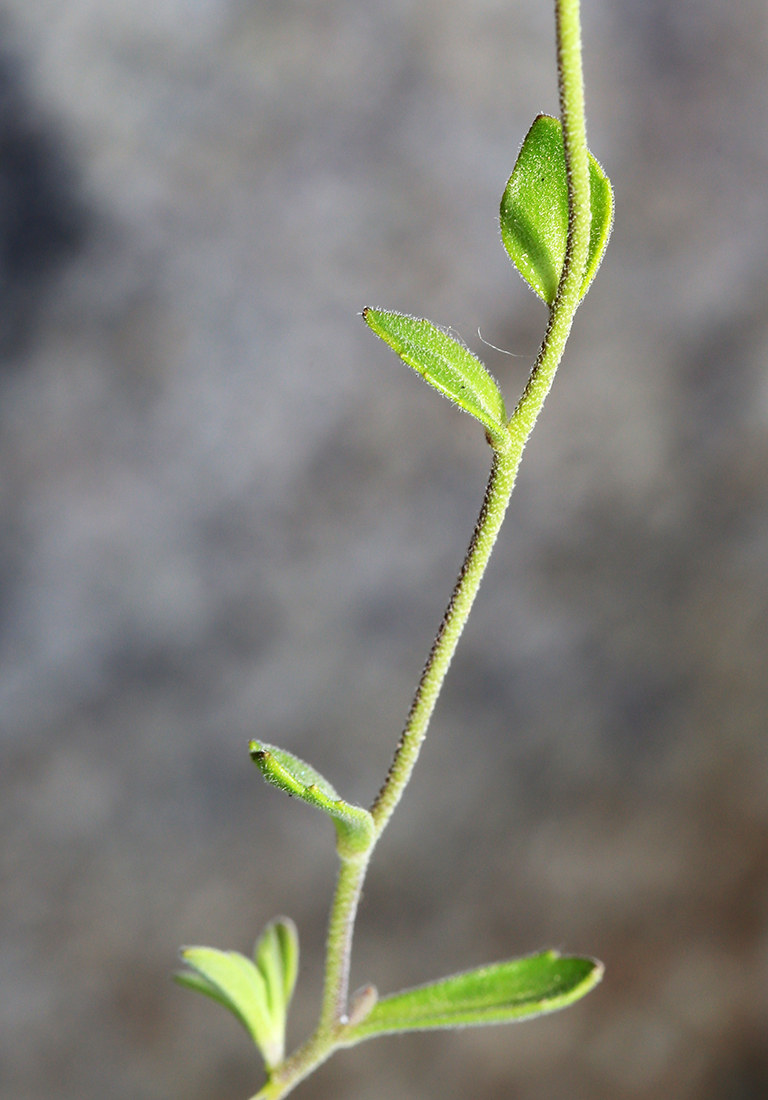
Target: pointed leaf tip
x=445, y=363
x=534, y=211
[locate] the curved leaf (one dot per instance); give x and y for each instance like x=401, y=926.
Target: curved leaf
x=354, y=825
x=501, y=993
x=277, y=958
x=235, y=982
x=445, y=363
x=259, y=994
x=534, y=210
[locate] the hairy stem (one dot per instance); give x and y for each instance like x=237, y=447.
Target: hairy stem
x=497, y=496
x=571, y=83
x=506, y=462
x=508, y=453
x=339, y=942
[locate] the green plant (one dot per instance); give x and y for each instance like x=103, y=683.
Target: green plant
x=556, y=215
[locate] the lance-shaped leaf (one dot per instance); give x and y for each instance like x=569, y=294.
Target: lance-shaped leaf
x=354, y=825
x=534, y=210
x=445, y=363
x=501, y=993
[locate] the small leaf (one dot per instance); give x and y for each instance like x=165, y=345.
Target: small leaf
x=235, y=982
x=259, y=994
x=354, y=825
x=277, y=957
x=501, y=993
x=534, y=211
x=445, y=363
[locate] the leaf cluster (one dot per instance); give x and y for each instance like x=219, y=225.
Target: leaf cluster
x=533, y=218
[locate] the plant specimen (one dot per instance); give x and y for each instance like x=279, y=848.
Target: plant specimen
x=556, y=215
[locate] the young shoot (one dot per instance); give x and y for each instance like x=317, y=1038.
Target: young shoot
x=555, y=218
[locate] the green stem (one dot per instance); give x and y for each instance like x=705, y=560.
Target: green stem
x=339, y=942
x=338, y=955
x=506, y=461
x=497, y=496
x=571, y=84
x=507, y=455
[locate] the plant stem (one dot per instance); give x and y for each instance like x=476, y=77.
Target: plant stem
x=506, y=462
x=507, y=455
x=497, y=494
x=339, y=942
x=571, y=84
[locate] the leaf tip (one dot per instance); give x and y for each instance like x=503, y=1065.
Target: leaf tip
x=598, y=971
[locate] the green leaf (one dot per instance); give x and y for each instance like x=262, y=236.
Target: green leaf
x=354, y=825
x=196, y=982
x=259, y=994
x=501, y=993
x=534, y=211
x=445, y=363
x=277, y=957
x=235, y=982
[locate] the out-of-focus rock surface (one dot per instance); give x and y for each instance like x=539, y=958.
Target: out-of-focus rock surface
x=228, y=511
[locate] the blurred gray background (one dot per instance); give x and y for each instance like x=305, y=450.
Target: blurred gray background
x=229, y=511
